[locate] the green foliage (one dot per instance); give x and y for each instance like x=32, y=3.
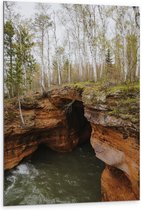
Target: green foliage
x=109, y=67
x=9, y=30
x=108, y=58
x=42, y=22
x=82, y=85
x=124, y=88
x=25, y=63
x=9, y=54
x=55, y=67
x=131, y=56
x=65, y=70
x=19, y=62
x=85, y=52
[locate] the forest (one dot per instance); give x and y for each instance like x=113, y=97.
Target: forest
x=69, y=43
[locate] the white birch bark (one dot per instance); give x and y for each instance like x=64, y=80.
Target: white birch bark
x=20, y=111
x=48, y=58
x=56, y=46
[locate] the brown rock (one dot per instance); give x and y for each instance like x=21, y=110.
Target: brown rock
x=46, y=122
x=116, y=186
x=123, y=155
x=57, y=120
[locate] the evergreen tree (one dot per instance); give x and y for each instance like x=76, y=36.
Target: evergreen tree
x=25, y=63
x=65, y=70
x=108, y=58
x=109, y=67
x=19, y=63
x=9, y=54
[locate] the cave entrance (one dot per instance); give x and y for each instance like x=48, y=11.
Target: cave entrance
x=48, y=176
x=78, y=122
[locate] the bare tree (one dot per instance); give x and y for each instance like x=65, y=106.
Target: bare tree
x=56, y=48
x=42, y=22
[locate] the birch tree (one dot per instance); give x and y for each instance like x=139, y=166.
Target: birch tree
x=137, y=22
x=56, y=49
x=41, y=23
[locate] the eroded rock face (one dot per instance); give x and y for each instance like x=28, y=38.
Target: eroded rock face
x=115, y=141
x=120, y=153
x=115, y=186
x=50, y=120
x=57, y=120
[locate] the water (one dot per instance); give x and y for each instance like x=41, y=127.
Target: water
x=49, y=177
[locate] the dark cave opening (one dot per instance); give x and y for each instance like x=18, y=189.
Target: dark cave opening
x=77, y=121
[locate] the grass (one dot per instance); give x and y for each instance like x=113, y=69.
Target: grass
x=125, y=88
x=81, y=85
x=121, y=100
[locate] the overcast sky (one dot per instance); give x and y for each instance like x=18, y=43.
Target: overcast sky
x=27, y=9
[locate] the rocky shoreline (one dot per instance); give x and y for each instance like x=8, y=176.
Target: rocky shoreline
x=66, y=117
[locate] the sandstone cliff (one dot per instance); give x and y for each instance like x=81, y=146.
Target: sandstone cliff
x=114, y=117
x=52, y=120
x=63, y=118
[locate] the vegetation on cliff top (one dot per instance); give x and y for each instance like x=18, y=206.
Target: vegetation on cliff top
x=121, y=101
x=118, y=100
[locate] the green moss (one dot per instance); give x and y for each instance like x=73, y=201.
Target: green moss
x=114, y=112
x=132, y=118
x=125, y=116
x=135, y=119
x=121, y=101
x=124, y=88
x=80, y=85
x=129, y=101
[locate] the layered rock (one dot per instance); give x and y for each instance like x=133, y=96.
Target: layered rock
x=57, y=120
x=116, y=186
x=115, y=140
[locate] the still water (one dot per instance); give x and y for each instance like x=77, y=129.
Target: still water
x=49, y=177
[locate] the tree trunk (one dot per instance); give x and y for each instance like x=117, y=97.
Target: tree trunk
x=20, y=111
x=56, y=45
x=137, y=21
x=69, y=67
x=11, y=69
x=48, y=52
x=58, y=71
x=137, y=16
x=42, y=70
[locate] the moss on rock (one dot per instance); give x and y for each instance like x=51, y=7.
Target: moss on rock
x=121, y=101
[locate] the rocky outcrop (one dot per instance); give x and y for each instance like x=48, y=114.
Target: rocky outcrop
x=115, y=140
x=122, y=155
x=65, y=117
x=116, y=186
x=55, y=120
